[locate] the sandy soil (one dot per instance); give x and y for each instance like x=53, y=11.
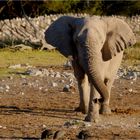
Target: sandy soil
x=27, y=110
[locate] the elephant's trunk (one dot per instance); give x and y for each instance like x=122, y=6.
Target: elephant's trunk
x=93, y=60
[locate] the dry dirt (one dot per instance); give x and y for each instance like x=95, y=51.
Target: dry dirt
x=26, y=111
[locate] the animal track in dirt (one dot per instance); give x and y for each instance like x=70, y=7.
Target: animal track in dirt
x=125, y=111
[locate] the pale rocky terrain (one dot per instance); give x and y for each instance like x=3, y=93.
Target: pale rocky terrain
x=30, y=31
x=41, y=99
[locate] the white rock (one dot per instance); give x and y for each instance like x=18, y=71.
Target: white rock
x=22, y=93
x=44, y=126
x=1, y=89
x=68, y=64
x=135, y=76
x=63, y=75
x=130, y=90
x=51, y=71
x=10, y=77
x=62, y=81
x=1, y=126
x=57, y=75
x=34, y=72
x=4, y=127
x=7, y=90
x=40, y=88
x=45, y=72
x=54, y=84
x=46, y=90
x=87, y=124
x=51, y=75
x=15, y=66
x=7, y=87
x=23, y=76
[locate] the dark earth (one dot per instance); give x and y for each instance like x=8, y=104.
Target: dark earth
x=31, y=105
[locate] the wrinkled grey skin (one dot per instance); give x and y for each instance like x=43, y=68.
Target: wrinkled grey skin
x=96, y=47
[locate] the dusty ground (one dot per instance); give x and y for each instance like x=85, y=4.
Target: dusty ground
x=27, y=110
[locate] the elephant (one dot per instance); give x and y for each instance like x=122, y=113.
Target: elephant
x=95, y=46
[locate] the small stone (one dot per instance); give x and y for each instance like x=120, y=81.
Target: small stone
x=130, y=90
x=45, y=72
x=7, y=90
x=1, y=89
x=15, y=66
x=57, y=75
x=47, y=134
x=22, y=76
x=87, y=124
x=71, y=80
x=40, y=88
x=44, y=126
x=138, y=124
x=63, y=75
x=68, y=64
x=84, y=134
x=62, y=81
x=4, y=127
x=25, y=84
x=7, y=87
x=54, y=84
x=10, y=77
x=38, y=73
x=46, y=90
x=34, y=72
x=51, y=71
x=135, y=76
x=1, y=126
x=72, y=88
x=22, y=93
x=52, y=75
x=66, y=88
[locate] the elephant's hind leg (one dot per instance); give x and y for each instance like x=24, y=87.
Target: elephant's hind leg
x=110, y=74
x=84, y=88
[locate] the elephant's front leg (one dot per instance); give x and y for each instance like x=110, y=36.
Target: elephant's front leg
x=94, y=106
x=84, y=91
x=105, y=108
x=84, y=88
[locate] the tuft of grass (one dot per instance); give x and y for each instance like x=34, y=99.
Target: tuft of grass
x=35, y=58
x=132, y=55
x=51, y=58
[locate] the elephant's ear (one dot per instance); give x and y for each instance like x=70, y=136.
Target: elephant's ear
x=119, y=36
x=59, y=35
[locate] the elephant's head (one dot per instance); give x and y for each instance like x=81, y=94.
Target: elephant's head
x=91, y=40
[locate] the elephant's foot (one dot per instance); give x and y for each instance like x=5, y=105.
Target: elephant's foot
x=84, y=110
x=93, y=116
x=105, y=109
x=91, y=119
